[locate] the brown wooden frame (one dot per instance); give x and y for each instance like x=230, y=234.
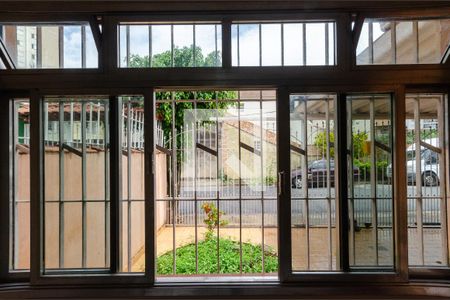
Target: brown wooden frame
x=343, y=78
x=399, y=220
x=112, y=275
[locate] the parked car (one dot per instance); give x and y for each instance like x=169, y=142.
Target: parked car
x=429, y=165
x=317, y=174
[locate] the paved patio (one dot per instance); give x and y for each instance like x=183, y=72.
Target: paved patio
x=319, y=255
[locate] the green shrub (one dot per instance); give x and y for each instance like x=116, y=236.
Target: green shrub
x=364, y=168
x=229, y=252
x=229, y=258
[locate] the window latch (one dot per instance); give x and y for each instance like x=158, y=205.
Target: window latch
x=280, y=182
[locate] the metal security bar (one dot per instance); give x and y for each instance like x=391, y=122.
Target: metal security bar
x=95, y=131
x=133, y=117
x=208, y=157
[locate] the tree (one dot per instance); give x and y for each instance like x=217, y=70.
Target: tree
x=359, y=139
x=320, y=141
x=183, y=57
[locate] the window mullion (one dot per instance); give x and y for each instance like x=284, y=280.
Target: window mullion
x=400, y=190
x=108, y=52
x=342, y=222
x=344, y=42
x=284, y=188
x=115, y=149
x=5, y=194
x=36, y=186
x=149, y=142
x=226, y=44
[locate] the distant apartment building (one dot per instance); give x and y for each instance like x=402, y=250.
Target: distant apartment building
x=24, y=47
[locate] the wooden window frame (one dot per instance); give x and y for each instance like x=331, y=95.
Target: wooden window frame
x=345, y=77
x=113, y=275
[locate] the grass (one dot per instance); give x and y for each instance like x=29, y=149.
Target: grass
x=229, y=258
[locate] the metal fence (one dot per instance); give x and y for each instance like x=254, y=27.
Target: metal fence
x=317, y=212
x=95, y=128
x=318, y=208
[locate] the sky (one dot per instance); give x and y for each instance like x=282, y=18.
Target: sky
x=246, y=35
x=72, y=48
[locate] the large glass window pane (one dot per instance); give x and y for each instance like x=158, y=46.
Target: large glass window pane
x=72, y=47
x=270, y=37
x=91, y=49
x=50, y=46
x=407, y=52
x=208, y=45
x=426, y=185
x=434, y=40
x=183, y=45
x=234, y=46
x=161, y=45
x=315, y=44
x=216, y=207
x=362, y=54
x=139, y=45
x=123, y=47
x=248, y=44
x=370, y=180
x=20, y=201
x=330, y=39
x=50, y=53
x=76, y=191
x=293, y=44
x=312, y=180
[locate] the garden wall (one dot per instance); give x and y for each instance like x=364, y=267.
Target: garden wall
x=95, y=208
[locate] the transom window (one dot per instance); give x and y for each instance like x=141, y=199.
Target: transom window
x=170, y=45
x=283, y=44
x=52, y=46
x=421, y=41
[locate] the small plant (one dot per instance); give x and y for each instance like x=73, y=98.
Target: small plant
x=270, y=180
x=224, y=177
x=212, y=220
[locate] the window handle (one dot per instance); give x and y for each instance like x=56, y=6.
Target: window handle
x=280, y=182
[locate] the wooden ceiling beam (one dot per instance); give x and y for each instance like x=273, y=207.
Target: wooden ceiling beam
x=108, y=6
